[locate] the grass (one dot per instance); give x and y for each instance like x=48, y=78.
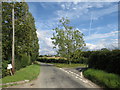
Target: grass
x=29, y=73
x=102, y=78
x=69, y=65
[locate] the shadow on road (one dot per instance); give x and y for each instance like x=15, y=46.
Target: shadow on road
x=81, y=69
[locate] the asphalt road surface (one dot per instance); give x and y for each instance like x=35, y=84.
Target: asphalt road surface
x=53, y=77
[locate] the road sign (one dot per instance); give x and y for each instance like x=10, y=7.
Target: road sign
x=9, y=66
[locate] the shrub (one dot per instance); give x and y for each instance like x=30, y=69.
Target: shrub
x=4, y=67
x=25, y=60
x=22, y=61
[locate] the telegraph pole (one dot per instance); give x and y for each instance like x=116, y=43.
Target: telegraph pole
x=13, y=42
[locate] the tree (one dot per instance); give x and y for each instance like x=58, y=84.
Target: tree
x=67, y=39
x=26, y=40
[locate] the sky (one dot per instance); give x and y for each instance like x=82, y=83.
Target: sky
x=98, y=21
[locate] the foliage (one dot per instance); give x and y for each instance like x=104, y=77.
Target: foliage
x=23, y=61
x=78, y=57
x=4, y=68
x=105, y=60
x=86, y=54
x=102, y=78
x=81, y=60
x=52, y=60
x=26, y=41
x=67, y=39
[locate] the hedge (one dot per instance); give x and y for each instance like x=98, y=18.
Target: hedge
x=52, y=60
x=81, y=60
x=20, y=62
x=105, y=60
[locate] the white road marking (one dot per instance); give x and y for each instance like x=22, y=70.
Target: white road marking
x=80, y=77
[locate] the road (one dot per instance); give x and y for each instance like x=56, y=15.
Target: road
x=53, y=77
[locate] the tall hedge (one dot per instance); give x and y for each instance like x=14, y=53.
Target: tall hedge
x=105, y=60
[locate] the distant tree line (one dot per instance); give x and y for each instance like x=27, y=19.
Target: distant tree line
x=26, y=40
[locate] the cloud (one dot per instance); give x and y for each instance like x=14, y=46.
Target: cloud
x=71, y=1
x=102, y=35
x=90, y=46
x=46, y=46
x=103, y=43
x=81, y=9
x=107, y=11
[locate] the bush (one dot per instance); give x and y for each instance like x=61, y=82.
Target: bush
x=4, y=67
x=22, y=61
x=102, y=78
x=25, y=60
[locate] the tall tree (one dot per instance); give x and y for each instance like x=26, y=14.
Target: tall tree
x=26, y=40
x=67, y=39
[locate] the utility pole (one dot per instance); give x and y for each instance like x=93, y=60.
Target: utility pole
x=13, y=42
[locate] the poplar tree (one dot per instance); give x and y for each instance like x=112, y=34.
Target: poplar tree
x=26, y=40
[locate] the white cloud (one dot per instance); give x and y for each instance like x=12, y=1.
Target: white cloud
x=103, y=43
x=76, y=10
x=107, y=11
x=46, y=46
x=71, y=0
x=100, y=36
x=90, y=46
x=63, y=6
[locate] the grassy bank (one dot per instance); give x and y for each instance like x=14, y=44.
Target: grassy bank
x=102, y=78
x=69, y=65
x=29, y=73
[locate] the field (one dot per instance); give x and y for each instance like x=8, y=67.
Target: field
x=69, y=65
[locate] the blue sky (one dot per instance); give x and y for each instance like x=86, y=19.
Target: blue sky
x=98, y=21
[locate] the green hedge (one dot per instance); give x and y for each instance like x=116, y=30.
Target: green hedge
x=20, y=62
x=102, y=78
x=52, y=60
x=105, y=60
x=81, y=60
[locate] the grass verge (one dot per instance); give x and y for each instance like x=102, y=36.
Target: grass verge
x=29, y=73
x=104, y=79
x=69, y=65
